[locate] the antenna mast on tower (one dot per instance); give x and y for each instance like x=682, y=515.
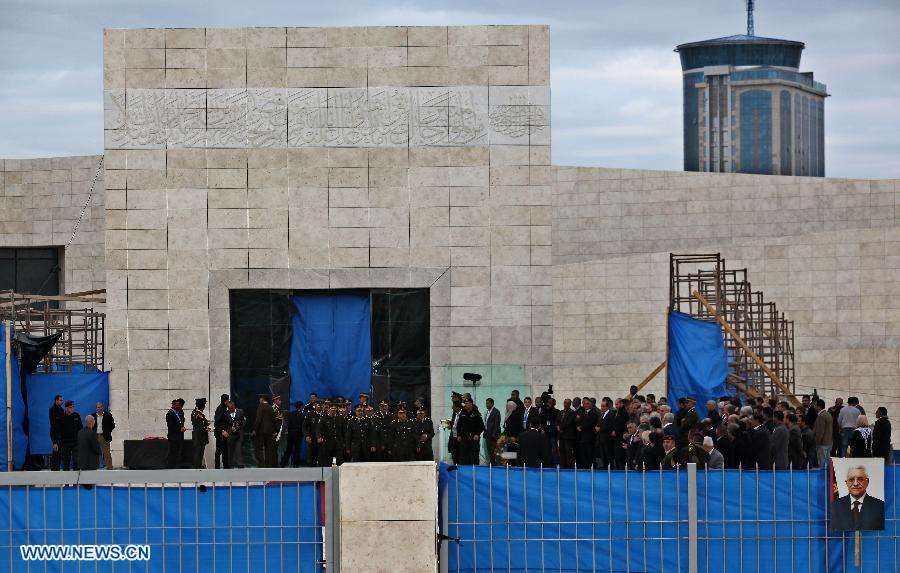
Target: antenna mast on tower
x=750, y=31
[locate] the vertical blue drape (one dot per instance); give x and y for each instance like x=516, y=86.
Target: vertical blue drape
x=331, y=348
x=697, y=362
x=84, y=386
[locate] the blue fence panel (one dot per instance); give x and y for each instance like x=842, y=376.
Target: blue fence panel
x=272, y=527
x=517, y=520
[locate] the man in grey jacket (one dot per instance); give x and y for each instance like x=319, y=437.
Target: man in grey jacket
x=716, y=459
x=780, y=439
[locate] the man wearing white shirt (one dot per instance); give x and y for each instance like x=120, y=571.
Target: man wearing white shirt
x=527, y=412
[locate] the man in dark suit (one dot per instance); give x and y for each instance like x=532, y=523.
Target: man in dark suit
x=491, y=428
x=761, y=443
x=604, y=434
x=881, y=436
x=534, y=450
x=857, y=510
x=88, y=446
x=175, y=432
x=567, y=435
x=669, y=427
x=219, y=424
x=56, y=418
x=620, y=423
x=586, y=434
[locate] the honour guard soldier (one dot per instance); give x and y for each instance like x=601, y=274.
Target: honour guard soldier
x=425, y=432
x=311, y=433
x=199, y=432
x=364, y=399
x=358, y=436
x=402, y=438
x=265, y=427
x=330, y=438
x=376, y=435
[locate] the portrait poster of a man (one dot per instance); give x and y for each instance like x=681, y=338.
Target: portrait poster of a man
x=858, y=487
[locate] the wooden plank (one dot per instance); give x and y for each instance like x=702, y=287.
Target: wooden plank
x=651, y=376
x=753, y=356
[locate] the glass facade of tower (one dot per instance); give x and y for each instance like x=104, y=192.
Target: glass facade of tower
x=748, y=108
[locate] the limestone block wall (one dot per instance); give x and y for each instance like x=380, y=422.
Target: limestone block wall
x=823, y=249
x=323, y=158
x=372, y=526
x=41, y=201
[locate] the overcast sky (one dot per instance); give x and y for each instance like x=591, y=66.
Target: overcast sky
x=616, y=83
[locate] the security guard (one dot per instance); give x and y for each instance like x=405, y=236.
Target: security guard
x=424, y=433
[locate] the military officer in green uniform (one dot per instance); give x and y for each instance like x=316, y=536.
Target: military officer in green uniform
x=330, y=438
x=358, y=436
x=425, y=433
x=310, y=433
x=402, y=441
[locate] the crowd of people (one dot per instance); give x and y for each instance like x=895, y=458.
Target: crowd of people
x=318, y=433
x=645, y=433
x=637, y=432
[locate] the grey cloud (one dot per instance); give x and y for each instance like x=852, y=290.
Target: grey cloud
x=615, y=79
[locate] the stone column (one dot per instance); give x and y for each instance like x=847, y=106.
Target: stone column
x=388, y=517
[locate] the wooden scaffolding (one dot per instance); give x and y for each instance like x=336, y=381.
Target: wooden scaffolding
x=82, y=340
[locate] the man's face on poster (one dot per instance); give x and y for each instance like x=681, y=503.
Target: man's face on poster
x=857, y=482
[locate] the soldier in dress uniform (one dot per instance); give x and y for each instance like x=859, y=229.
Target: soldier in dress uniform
x=265, y=426
x=376, y=430
x=364, y=399
x=279, y=426
x=311, y=433
x=358, y=436
x=199, y=432
x=402, y=441
x=425, y=432
x=384, y=410
x=330, y=438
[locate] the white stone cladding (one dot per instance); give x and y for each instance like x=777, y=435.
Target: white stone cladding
x=824, y=250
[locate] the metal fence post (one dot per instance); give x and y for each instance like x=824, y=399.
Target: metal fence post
x=692, y=517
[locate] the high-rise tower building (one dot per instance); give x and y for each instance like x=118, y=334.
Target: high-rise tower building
x=749, y=109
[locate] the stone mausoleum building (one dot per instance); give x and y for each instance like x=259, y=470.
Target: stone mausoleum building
x=295, y=159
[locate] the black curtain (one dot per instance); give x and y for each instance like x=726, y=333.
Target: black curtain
x=260, y=344
x=400, y=342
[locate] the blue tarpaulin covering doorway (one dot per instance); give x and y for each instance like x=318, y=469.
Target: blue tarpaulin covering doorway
x=331, y=348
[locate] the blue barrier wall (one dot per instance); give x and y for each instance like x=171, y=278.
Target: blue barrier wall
x=517, y=520
x=276, y=527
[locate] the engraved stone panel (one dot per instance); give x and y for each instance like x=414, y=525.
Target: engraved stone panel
x=326, y=117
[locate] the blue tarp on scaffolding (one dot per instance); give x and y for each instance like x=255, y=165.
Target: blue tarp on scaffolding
x=697, y=363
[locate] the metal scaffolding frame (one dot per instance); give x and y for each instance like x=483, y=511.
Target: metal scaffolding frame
x=702, y=286
x=82, y=340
